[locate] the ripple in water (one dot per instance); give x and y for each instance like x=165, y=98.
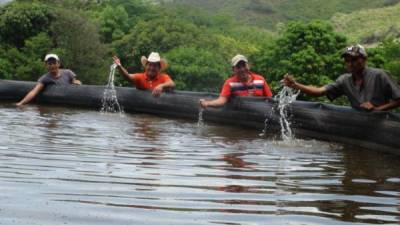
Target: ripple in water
x=65, y=166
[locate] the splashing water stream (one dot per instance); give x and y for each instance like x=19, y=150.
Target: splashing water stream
x=200, y=122
x=110, y=101
x=284, y=98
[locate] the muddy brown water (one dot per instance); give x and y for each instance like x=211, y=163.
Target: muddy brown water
x=75, y=166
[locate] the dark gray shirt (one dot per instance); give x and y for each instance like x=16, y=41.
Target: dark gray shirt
x=66, y=77
x=378, y=88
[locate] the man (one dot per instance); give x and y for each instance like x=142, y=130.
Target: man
x=242, y=83
x=54, y=76
x=366, y=88
x=152, y=79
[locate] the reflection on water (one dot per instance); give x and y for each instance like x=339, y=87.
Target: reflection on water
x=71, y=166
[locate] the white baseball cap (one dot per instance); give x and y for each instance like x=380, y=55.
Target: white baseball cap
x=51, y=56
x=237, y=59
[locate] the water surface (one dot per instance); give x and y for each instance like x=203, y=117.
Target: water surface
x=74, y=166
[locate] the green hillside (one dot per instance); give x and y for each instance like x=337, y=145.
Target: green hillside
x=198, y=40
x=4, y=1
x=369, y=26
x=268, y=13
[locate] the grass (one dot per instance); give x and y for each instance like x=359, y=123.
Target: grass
x=268, y=13
x=369, y=26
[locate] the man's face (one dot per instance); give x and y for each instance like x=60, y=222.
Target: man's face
x=241, y=69
x=152, y=69
x=354, y=64
x=52, y=66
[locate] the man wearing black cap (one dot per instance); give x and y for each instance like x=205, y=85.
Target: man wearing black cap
x=55, y=76
x=366, y=88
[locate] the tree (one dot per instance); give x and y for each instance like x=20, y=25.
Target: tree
x=114, y=23
x=24, y=40
x=20, y=21
x=197, y=69
x=310, y=51
x=391, y=53
x=159, y=35
x=30, y=31
x=83, y=51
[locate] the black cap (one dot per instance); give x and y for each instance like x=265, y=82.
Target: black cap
x=355, y=51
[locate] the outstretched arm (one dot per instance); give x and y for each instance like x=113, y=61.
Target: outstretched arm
x=289, y=81
x=220, y=101
x=122, y=70
x=32, y=94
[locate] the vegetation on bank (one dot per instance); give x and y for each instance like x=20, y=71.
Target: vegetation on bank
x=369, y=26
x=198, y=44
x=269, y=13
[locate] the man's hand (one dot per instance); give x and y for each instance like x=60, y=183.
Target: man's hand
x=157, y=91
x=367, y=106
x=288, y=80
x=203, y=103
x=76, y=82
x=116, y=61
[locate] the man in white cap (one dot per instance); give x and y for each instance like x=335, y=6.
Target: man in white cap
x=152, y=79
x=366, y=88
x=242, y=83
x=55, y=75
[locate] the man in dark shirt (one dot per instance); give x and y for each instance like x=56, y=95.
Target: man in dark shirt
x=55, y=76
x=366, y=88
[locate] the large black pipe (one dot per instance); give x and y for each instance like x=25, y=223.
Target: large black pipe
x=376, y=131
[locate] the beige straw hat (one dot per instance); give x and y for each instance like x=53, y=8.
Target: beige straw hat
x=154, y=57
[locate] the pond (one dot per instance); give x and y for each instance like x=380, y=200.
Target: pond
x=75, y=166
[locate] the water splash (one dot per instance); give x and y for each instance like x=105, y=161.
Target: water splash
x=285, y=97
x=266, y=124
x=110, y=101
x=200, y=121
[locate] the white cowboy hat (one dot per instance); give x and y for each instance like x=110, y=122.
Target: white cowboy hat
x=154, y=57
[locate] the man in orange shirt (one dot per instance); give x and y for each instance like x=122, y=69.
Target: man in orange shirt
x=152, y=78
x=242, y=83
